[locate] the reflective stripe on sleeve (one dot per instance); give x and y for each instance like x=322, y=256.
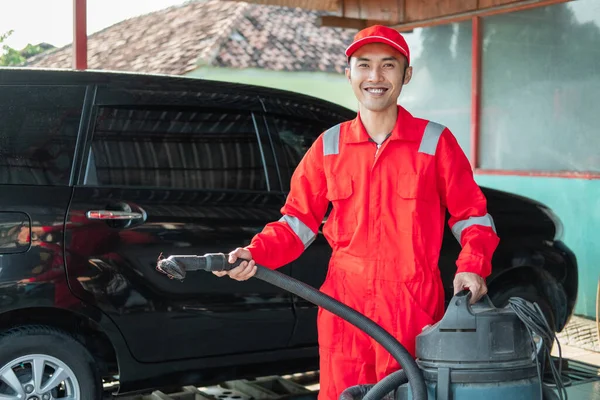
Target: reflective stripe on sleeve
x=460, y=226
x=331, y=141
x=300, y=229
x=430, y=139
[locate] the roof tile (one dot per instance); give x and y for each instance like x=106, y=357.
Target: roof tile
x=212, y=32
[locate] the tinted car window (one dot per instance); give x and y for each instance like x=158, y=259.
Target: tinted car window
x=297, y=136
x=177, y=148
x=38, y=132
x=293, y=137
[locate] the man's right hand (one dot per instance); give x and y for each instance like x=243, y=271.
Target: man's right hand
x=242, y=272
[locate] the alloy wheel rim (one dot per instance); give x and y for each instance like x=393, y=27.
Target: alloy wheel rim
x=38, y=377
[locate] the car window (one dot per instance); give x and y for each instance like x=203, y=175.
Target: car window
x=175, y=148
x=293, y=138
x=297, y=135
x=38, y=132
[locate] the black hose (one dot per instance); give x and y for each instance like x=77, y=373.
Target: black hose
x=410, y=369
x=386, y=386
x=357, y=392
x=383, y=391
x=176, y=266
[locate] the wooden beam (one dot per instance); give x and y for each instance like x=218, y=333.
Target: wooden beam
x=465, y=16
x=79, y=34
x=378, y=10
x=419, y=10
x=351, y=9
x=349, y=23
x=391, y=11
x=401, y=9
x=494, y=3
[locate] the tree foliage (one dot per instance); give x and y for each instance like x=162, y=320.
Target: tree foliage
x=13, y=57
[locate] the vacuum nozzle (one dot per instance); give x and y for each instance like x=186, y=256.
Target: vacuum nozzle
x=176, y=267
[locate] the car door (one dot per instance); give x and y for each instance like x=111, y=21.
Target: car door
x=38, y=135
x=292, y=136
x=189, y=177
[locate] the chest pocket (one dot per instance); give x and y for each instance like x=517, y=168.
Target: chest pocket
x=417, y=186
x=417, y=203
x=342, y=221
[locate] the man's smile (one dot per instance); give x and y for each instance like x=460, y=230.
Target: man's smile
x=376, y=91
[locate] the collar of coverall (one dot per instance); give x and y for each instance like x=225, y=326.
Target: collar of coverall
x=403, y=129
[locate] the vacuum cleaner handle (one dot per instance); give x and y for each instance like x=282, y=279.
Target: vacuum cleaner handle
x=177, y=266
x=484, y=301
x=459, y=314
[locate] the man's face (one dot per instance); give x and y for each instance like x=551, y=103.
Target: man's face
x=377, y=73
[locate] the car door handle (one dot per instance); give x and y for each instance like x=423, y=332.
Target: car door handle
x=110, y=215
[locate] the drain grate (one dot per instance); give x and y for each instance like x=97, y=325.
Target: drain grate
x=221, y=393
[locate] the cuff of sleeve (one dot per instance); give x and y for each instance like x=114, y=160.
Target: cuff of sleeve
x=474, y=264
x=259, y=255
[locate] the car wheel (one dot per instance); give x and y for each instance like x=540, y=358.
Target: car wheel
x=43, y=363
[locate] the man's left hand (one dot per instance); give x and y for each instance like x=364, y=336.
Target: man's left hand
x=473, y=282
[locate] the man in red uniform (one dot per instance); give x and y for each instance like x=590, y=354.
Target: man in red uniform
x=390, y=177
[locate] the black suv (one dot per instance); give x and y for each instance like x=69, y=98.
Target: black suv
x=103, y=172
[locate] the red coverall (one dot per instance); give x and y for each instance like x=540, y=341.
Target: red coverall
x=385, y=230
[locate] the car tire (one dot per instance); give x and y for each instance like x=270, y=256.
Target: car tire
x=31, y=348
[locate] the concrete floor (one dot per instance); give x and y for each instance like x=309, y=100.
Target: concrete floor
x=579, y=354
x=586, y=391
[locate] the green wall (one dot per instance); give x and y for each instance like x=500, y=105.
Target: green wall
x=327, y=86
x=577, y=203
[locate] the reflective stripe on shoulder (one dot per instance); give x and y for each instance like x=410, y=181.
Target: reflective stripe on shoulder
x=331, y=141
x=431, y=137
x=460, y=226
x=300, y=229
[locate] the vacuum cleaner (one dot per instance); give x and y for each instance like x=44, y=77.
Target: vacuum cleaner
x=475, y=351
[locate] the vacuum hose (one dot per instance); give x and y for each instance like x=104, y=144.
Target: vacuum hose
x=175, y=267
x=381, y=391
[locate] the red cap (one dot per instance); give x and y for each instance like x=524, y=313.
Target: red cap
x=379, y=34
